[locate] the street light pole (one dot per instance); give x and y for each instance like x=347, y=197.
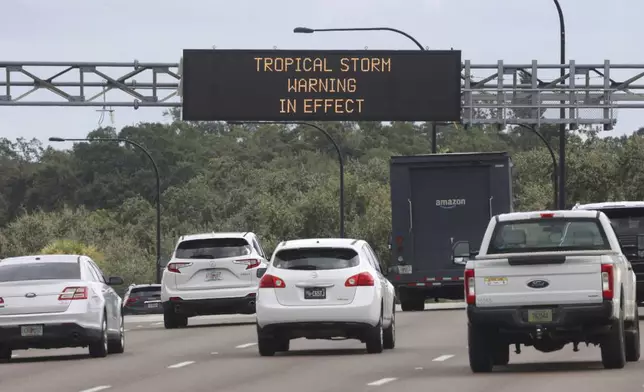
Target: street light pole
x=158, y=178
x=562, y=111
x=337, y=149
x=307, y=30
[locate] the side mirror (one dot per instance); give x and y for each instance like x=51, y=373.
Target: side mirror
x=115, y=281
x=461, y=252
x=261, y=272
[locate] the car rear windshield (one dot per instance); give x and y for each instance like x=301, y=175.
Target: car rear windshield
x=551, y=234
x=316, y=259
x=213, y=248
x=145, y=291
x=39, y=271
x=626, y=220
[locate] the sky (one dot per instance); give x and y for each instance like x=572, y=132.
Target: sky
x=515, y=31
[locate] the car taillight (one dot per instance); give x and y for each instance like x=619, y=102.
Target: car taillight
x=176, y=267
x=250, y=263
x=399, y=243
x=607, y=281
x=361, y=279
x=470, y=287
x=1, y=301
x=70, y=293
x=547, y=215
x=130, y=301
x=269, y=281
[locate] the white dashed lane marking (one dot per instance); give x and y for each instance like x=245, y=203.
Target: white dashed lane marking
x=214, y=353
x=442, y=358
x=246, y=345
x=159, y=323
x=180, y=364
x=382, y=381
x=96, y=389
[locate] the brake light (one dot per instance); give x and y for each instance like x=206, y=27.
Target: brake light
x=1, y=301
x=250, y=263
x=607, y=281
x=269, y=281
x=470, y=287
x=399, y=243
x=70, y=293
x=130, y=301
x=176, y=267
x=547, y=215
x=361, y=279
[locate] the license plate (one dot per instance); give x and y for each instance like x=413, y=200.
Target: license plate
x=315, y=293
x=154, y=305
x=31, y=330
x=404, y=269
x=540, y=315
x=213, y=275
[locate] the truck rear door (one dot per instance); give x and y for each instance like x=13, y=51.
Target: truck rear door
x=448, y=204
x=534, y=259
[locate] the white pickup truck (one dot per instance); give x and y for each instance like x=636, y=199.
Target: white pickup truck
x=546, y=279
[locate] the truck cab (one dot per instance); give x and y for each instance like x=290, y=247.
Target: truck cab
x=627, y=219
x=547, y=279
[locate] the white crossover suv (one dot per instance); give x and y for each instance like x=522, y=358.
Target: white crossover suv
x=323, y=289
x=57, y=301
x=209, y=274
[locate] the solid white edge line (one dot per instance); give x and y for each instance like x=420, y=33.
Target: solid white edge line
x=442, y=358
x=246, y=345
x=382, y=381
x=180, y=364
x=96, y=389
x=159, y=323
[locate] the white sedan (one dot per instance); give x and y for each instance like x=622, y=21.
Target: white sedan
x=324, y=289
x=56, y=301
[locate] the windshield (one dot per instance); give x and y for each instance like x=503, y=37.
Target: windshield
x=554, y=234
x=145, y=291
x=39, y=271
x=316, y=259
x=213, y=248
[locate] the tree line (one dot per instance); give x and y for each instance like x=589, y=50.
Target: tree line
x=278, y=181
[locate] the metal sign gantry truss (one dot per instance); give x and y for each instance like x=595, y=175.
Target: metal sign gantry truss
x=498, y=93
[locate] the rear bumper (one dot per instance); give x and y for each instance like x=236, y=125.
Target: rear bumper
x=54, y=336
x=213, y=306
x=563, y=316
x=364, y=310
x=313, y=330
x=142, y=309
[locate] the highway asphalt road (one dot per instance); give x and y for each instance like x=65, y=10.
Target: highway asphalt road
x=220, y=354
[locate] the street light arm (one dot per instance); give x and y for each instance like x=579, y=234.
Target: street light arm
x=309, y=30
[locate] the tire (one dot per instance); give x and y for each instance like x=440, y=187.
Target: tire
x=99, y=348
x=479, y=349
x=419, y=304
x=266, y=344
x=501, y=355
x=172, y=320
x=407, y=305
x=613, y=345
x=632, y=339
x=375, y=338
x=5, y=354
x=389, y=338
x=117, y=346
x=283, y=346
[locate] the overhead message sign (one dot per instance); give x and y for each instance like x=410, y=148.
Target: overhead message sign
x=315, y=85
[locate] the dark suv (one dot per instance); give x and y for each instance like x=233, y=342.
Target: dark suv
x=143, y=299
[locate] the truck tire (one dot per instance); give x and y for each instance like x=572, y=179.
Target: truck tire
x=479, y=349
x=613, y=345
x=419, y=304
x=632, y=339
x=502, y=355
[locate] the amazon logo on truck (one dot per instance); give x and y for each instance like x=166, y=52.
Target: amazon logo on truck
x=448, y=204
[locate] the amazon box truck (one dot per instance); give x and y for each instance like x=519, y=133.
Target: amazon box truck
x=437, y=200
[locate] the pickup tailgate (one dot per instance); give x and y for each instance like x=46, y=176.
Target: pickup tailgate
x=544, y=278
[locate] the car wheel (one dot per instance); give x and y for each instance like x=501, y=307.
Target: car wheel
x=478, y=346
x=389, y=339
x=172, y=320
x=284, y=345
x=501, y=355
x=5, y=354
x=99, y=348
x=613, y=346
x=375, y=338
x=117, y=346
x=633, y=339
x=266, y=344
